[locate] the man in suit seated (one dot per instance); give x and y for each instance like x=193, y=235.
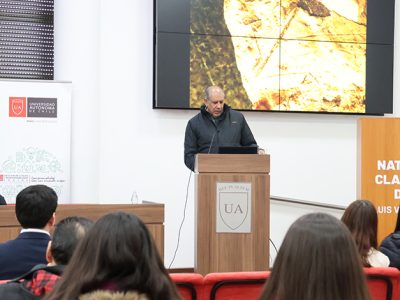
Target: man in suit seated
x=35, y=208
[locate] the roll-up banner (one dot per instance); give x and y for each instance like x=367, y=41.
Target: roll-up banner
x=35, y=137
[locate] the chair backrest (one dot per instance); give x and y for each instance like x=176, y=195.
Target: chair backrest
x=234, y=285
x=383, y=283
x=190, y=285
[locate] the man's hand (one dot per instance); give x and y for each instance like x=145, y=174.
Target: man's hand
x=261, y=151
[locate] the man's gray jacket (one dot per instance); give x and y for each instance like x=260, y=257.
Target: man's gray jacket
x=205, y=134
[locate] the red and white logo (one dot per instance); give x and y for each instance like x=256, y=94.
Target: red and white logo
x=17, y=107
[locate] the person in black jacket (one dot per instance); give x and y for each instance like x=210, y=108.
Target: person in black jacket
x=391, y=245
x=2, y=200
x=215, y=125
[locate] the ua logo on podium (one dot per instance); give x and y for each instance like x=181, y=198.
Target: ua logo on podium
x=233, y=207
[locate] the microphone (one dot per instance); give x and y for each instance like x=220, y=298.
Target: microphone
x=212, y=139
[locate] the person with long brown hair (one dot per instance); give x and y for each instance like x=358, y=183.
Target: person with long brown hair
x=318, y=259
x=362, y=220
x=117, y=259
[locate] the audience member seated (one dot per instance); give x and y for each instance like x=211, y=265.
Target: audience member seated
x=390, y=246
x=41, y=279
x=117, y=259
x=318, y=259
x=35, y=208
x=2, y=200
x=362, y=220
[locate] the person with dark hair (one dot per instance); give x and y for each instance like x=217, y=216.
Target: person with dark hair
x=117, y=259
x=2, y=200
x=67, y=233
x=362, y=220
x=318, y=259
x=215, y=125
x=41, y=279
x=35, y=208
x=390, y=246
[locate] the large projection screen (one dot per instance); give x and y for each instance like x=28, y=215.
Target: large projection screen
x=276, y=55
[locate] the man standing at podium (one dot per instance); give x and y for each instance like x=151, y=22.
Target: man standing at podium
x=215, y=125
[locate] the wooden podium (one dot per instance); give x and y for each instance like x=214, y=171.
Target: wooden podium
x=239, y=185
x=152, y=214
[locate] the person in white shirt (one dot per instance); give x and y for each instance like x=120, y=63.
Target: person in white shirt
x=362, y=220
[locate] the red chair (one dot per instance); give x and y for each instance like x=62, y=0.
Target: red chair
x=383, y=283
x=190, y=285
x=234, y=285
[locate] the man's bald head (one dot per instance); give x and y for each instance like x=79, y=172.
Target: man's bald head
x=213, y=91
x=214, y=100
